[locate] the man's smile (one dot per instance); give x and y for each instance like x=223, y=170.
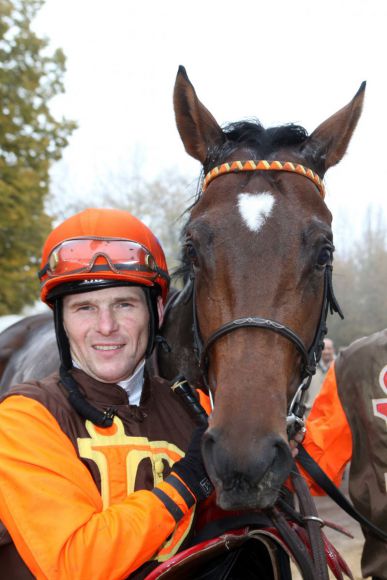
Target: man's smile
x=108, y=346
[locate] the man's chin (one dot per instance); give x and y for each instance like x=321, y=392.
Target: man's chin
x=107, y=375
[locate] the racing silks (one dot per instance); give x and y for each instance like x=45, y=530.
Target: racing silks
x=78, y=500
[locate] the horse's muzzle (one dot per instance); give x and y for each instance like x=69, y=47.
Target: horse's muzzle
x=246, y=478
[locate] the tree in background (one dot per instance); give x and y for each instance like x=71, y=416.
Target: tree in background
x=360, y=284
x=160, y=203
x=30, y=140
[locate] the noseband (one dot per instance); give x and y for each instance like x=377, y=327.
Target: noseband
x=309, y=357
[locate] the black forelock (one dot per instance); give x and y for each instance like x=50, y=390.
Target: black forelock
x=260, y=142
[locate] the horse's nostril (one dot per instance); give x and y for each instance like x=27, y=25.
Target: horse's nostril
x=209, y=443
x=271, y=456
x=282, y=448
x=282, y=460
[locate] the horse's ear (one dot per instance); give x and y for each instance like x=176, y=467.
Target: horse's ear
x=197, y=127
x=330, y=140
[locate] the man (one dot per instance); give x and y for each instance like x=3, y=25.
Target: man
x=93, y=478
x=348, y=423
x=327, y=357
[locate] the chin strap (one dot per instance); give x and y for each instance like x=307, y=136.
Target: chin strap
x=81, y=404
x=61, y=336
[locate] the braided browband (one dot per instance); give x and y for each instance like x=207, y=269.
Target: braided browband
x=262, y=165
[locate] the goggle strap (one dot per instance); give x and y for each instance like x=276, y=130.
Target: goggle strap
x=43, y=271
x=117, y=267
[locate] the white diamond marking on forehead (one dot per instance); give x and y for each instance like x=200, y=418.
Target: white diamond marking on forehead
x=255, y=208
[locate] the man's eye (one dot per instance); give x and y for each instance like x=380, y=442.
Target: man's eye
x=84, y=307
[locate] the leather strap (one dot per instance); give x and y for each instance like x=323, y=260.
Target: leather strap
x=321, y=478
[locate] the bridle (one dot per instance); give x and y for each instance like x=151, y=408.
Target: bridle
x=309, y=356
x=263, y=165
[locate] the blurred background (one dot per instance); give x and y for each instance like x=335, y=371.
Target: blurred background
x=86, y=119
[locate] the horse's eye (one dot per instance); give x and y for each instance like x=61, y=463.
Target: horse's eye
x=324, y=257
x=191, y=253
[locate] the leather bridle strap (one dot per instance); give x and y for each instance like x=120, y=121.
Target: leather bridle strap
x=309, y=357
x=264, y=165
x=323, y=481
x=254, y=322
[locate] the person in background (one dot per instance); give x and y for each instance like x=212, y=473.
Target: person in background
x=348, y=423
x=327, y=357
x=100, y=463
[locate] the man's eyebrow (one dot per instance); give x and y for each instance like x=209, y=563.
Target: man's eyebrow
x=79, y=302
x=127, y=299
x=117, y=300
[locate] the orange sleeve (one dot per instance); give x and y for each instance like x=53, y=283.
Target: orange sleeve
x=204, y=400
x=328, y=437
x=52, y=508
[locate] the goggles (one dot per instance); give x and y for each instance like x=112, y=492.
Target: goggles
x=96, y=254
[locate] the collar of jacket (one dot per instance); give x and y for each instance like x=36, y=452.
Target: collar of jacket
x=104, y=395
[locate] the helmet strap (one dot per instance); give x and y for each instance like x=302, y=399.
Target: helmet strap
x=151, y=295
x=82, y=405
x=61, y=336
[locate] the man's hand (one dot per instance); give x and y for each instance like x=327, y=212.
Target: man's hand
x=191, y=468
x=293, y=443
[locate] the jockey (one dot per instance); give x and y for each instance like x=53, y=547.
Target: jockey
x=100, y=464
x=348, y=424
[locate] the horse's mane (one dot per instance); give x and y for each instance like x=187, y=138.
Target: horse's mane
x=260, y=144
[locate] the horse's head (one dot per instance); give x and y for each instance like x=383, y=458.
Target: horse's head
x=259, y=243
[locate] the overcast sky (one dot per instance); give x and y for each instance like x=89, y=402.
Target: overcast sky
x=279, y=61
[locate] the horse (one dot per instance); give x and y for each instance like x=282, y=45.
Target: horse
x=257, y=269
x=257, y=266
x=259, y=246
x=28, y=350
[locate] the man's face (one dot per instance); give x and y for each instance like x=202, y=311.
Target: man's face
x=328, y=353
x=108, y=331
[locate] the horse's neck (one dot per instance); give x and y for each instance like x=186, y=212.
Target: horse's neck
x=177, y=329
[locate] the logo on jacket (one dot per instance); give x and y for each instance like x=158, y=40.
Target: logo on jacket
x=380, y=405
x=118, y=457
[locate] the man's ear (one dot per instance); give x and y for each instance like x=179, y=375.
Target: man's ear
x=160, y=310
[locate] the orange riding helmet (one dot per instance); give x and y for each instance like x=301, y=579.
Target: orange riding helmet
x=101, y=247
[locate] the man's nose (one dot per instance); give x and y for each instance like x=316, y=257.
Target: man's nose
x=107, y=322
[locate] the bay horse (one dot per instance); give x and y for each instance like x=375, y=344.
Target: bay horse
x=257, y=249
x=28, y=350
x=258, y=243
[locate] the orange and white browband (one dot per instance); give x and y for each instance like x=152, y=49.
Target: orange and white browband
x=262, y=165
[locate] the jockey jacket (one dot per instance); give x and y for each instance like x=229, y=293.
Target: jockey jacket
x=348, y=422
x=75, y=499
